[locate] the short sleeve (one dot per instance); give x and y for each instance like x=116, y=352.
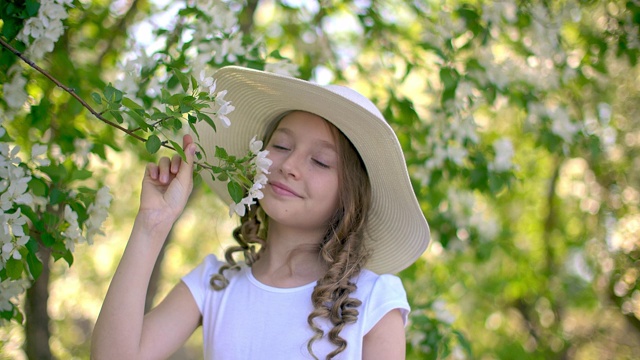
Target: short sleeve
x=198, y=279
x=386, y=294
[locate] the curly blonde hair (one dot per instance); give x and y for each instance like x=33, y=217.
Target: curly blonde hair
x=342, y=249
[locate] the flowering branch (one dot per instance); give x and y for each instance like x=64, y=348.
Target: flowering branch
x=74, y=94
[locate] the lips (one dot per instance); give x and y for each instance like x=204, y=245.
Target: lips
x=282, y=189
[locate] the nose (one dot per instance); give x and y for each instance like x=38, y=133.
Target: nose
x=291, y=165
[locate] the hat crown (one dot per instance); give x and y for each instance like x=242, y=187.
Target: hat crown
x=356, y=98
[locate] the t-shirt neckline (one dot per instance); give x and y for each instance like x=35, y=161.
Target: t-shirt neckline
x=257, y=283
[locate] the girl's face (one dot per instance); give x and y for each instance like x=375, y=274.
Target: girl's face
x=302, y=191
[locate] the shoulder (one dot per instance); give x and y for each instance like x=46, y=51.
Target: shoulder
x=198, y=280
x=380, y=294
x=207, y=267
x=368, y=281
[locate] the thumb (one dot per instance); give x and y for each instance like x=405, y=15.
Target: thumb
x=185, y=173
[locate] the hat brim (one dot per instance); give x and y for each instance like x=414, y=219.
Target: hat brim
x=397, y=232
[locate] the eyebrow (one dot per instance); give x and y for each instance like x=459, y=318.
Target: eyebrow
x=322, y=143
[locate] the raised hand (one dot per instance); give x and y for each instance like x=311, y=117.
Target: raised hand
x=166, y=187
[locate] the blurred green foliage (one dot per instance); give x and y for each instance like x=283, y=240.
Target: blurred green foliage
x=520, y=125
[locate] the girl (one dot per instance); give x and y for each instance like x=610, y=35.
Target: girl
x=338, y=217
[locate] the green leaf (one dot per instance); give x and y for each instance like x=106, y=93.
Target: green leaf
x=175, y=99
x=38, y=187
x=32, y=7
x=221, y=153
x=35, y=266
x=184, y=80
x=116, y=115
x=109, y=92
x=235, y=190
x=56, y=196
x=118, y=95
x=97, y=98
x=216, y=169
x=57, y=173
x=449, y=78
x=11, y=27
x=194, y=130
x=179, y=150
x=80, y=174
x=139, y=120
x=14, y=268
x=153, y=144
x=47, y=239
x=207, y=119
x=194, y=82
x=131, y=104
x=39, y=115
x=185, y=108
x=68, y=257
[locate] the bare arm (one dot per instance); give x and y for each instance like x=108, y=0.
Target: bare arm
x=386, y=341
x=122, y=330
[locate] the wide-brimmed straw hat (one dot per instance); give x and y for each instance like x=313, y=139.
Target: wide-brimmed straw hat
x=397, y=232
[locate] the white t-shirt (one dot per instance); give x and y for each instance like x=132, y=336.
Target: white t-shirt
x=250, y=320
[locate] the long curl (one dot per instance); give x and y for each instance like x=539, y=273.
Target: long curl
x=343, y=251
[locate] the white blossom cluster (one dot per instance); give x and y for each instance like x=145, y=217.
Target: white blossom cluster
x=9, y=292
x=14, y=181
x=221, y=107
x=561, y=123
x=15, y=175
x=97, y=213
x=502, y=161
x=467, y=213
x=259, y=166
x=41, y=32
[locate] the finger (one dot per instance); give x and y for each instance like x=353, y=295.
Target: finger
x=164, y=165
x=152, y=171
x=186, y=140
x=175, y=163
x=185, y=174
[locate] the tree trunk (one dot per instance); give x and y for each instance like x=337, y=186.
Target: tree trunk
x=37, y=331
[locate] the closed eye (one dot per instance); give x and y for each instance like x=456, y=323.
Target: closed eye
x=279, y=147
x=321, y=164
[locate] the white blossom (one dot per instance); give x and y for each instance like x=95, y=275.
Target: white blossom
x=229, y=49
x=456, y=153
x=503, y=149
x=98, y=212
x=561, y=124
x=41, y=32
x=39, y=155
x=14, y=179
x=259, y=166
x=241, y=207
x=283, y=67
x=2, y=118
x=441, y=313
x=12, y=235
x=224, y=17
x=207, y=82
x=9, y=291
x=73, y=233
x=14, y=91
x=222, y=108
x=82, y=150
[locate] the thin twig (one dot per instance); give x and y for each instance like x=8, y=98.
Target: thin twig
x=73, y=93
